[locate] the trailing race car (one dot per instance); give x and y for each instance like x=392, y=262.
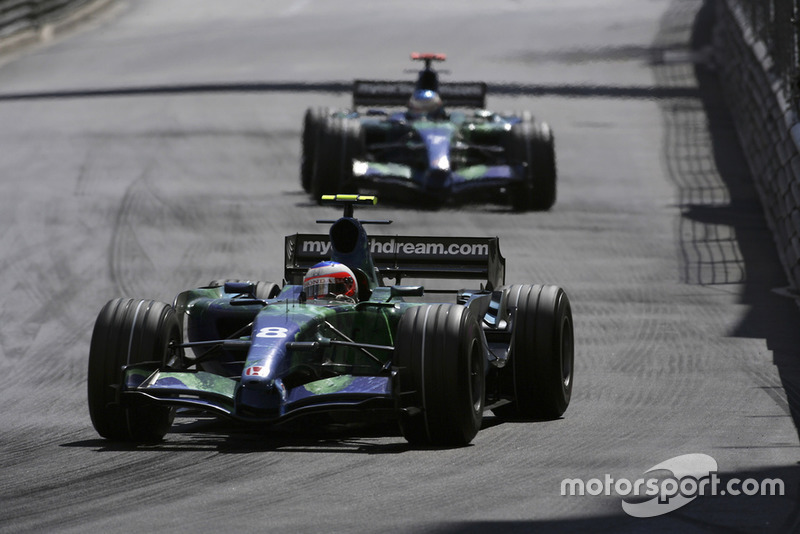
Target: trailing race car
x=428, y=152
x=336, y=343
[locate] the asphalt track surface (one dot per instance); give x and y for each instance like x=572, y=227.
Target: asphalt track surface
x=682, y=344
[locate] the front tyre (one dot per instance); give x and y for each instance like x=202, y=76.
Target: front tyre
x=533, y=144
x=340, y=143
x=313, y=125
x=543, y=168
x=442, y=372
x=128, y=332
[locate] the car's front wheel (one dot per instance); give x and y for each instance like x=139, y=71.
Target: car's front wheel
x=129, y=332
x=442, y=374
x=340, y=143
x=533, y=144
x=313, y=124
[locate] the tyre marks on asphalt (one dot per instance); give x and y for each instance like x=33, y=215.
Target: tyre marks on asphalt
x=648, y=347
x=127, y=254
x=179, y=224
x=89, y=483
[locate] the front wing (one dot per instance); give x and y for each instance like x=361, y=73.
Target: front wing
x=218, y=395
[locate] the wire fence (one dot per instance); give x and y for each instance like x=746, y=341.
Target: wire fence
x=775, y=23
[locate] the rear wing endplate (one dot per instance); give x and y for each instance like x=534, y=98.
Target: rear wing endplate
x=398, y=257
x=397, y=93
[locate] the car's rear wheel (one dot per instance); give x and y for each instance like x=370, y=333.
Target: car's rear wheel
x=542, y=352
x=313, y=124
x=129, y=332
x=442, y=373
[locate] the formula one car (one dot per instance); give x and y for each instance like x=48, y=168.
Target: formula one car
x=425, y=153
x=336, y=343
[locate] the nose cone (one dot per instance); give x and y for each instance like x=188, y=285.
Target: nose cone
x=260, y=389
x=437, y=143
x=260, y=392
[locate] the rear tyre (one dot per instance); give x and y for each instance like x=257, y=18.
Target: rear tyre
x=313, y=124
x=542, y=352
x=129, y=332
x=442, y=372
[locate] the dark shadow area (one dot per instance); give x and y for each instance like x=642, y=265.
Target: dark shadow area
x=772, y=317
x=219, y=435
x=720, y=514
x=247, y=443
x=724, y=238
x=496, y=89
x=222, y=436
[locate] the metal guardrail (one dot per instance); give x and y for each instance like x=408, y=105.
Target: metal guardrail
x=776, y=23
x=18, y=16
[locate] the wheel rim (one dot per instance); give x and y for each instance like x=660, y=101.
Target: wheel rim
x=567, y=352
x=476, y=380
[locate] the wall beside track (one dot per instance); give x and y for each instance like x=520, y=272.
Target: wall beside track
x=25, y=22
x=767, y=126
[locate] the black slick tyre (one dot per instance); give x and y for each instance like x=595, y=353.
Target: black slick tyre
x=532, y=143
x=543, y=168
x=128, y=332
x=542, y=352
x=340, y=144
x=313, y=123
x=442, y=374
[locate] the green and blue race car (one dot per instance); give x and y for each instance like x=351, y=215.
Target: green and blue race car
x=337, y=342
x=443, y=146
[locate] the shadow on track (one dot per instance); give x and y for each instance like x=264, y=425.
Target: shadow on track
x=341, y=87
x=220, y=436
x=707, y=513
x=722, y=231
x=225, y=437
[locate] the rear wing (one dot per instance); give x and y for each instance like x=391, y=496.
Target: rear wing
x=391, y=93
x=398, y=257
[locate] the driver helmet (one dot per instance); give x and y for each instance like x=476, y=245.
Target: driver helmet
x=424, y=101
x=330, y=280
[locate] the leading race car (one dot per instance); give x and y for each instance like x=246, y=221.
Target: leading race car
x=336, y=343
x=429, y=152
